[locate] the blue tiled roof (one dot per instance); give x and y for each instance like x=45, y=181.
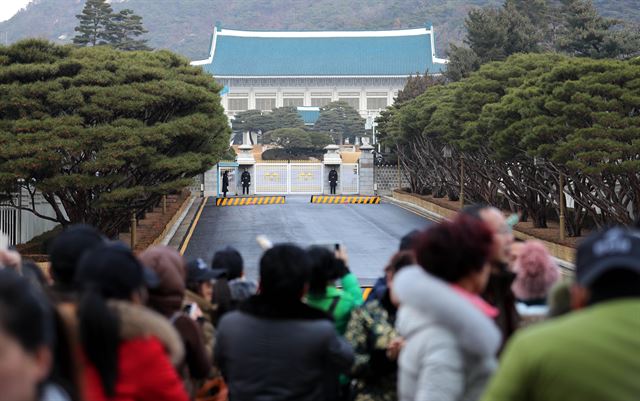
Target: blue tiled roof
x=323, y=56
x=309, y=114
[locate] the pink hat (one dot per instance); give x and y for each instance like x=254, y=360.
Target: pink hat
x=535, y=271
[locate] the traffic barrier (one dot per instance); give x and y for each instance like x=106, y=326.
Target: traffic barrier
x=369, y=200
x=250, y=200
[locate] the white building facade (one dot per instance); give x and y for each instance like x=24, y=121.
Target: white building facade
x=366, y=69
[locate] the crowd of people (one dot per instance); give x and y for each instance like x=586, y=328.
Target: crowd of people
x=462, y=312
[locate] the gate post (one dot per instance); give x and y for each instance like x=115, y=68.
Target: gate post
x=366, y=170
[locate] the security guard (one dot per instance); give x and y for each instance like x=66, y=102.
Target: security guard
x=245, y=178
x=333, y=180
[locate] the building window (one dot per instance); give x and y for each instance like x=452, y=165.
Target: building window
x=292, y=102
x=376, y=103
x=352, y=101
x=320, y=101
x=266, y=104
x=238, y=104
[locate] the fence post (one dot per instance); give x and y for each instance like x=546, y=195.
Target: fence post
x=164, y=204
x=562, y=208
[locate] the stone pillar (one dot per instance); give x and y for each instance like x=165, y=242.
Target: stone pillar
x=332, y=160
x=366, y=170
x=211, y=182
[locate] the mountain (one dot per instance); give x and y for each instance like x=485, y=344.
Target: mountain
x=185, y=26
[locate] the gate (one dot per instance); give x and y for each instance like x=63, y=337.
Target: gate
x=349, y=179
x=289, y=178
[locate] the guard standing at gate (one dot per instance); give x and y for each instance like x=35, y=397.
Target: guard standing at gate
x=333, y=180
x=225, y=183
x=246, y=182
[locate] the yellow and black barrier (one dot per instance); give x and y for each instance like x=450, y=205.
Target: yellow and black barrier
x=250, y=200
x=368, y=200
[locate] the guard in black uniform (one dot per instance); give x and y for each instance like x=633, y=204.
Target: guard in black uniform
x=333, y=180
x=246, y=182
x=225, y=183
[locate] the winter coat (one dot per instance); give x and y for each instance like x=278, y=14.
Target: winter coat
x=370, y=331
x=241, y=289
x=450, y=345
x=346, y=299
x=206, y=321
x=245, y=178
x=225, y=183
x=279, y=351
x=149, y=349
x=167, y=299
x=333, y=176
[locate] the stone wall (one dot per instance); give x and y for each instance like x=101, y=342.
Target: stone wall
x=386, y=178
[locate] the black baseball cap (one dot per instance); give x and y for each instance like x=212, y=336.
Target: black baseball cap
x=610, y=249
x=198, y=271
x=114, y=268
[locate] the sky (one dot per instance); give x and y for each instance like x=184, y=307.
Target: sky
x=8, y=8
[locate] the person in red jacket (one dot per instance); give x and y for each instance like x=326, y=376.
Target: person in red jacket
x=130, y=352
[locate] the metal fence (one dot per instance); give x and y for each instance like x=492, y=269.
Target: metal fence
x=22, y=226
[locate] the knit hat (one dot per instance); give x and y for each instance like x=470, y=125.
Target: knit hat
x=535, y=270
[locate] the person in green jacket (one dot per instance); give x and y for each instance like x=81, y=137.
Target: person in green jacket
x=588, y=355
x=326, y=269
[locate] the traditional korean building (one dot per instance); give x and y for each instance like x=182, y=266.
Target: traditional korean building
x=264, y=70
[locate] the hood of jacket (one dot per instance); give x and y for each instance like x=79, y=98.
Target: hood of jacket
x=170, y=268
x=138, y=321
x=242, y=289
x=427, y=300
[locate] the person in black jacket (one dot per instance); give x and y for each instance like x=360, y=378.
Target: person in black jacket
x=275, y=347
x=225, y=183
x=333, y=180
x=246, y=182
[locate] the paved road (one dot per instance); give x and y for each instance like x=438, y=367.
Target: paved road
x=371, y=233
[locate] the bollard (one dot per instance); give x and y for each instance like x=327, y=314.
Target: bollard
x=133, y=230
x=164, y=204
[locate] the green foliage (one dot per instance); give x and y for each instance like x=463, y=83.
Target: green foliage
x=586, y=33
x=289, y=138
x=578, y=117
x=264, y=121
x=93, y=23
x=98, y=25
x=417, y=85
x=341, y=121
x=104, y=131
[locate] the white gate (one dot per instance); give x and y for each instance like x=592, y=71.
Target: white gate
x=349, y=179
x=289, y=178
x=306, y=178
x=271, y=178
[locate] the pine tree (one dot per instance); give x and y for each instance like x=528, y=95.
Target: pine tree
x=94, y=21
x=123, y=29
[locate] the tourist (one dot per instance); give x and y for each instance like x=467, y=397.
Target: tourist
x=498, y=291
x=130, y=351
x=536, y=272
x=240, y=287
x=275, y=346
x=375, y=341
x=326, y=269
x=64, y=253
x=167, y=299
x=27, y=344
x=450, y=338
x=592, y=353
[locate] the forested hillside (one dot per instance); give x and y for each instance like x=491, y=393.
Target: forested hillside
x=185, y=26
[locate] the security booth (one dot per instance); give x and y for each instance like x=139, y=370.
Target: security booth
x=231, y=168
